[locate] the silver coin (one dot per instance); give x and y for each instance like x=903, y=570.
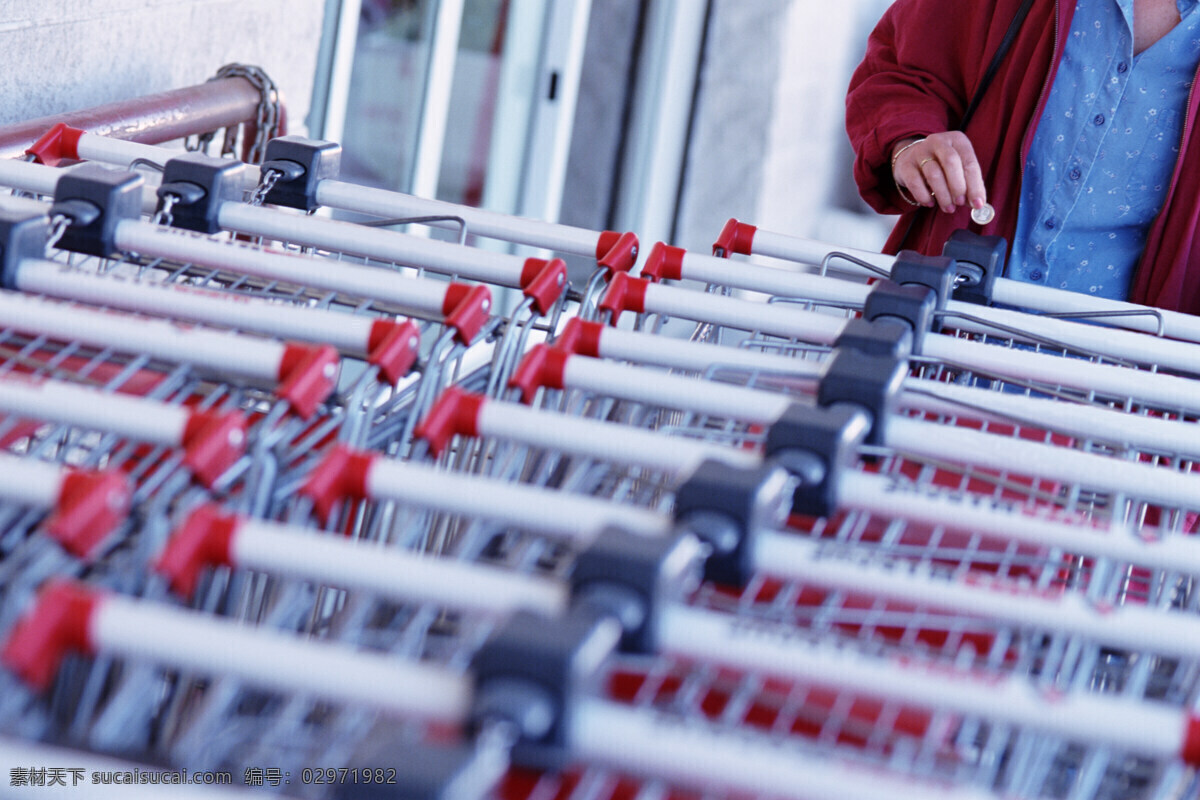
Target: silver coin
x=983, y=215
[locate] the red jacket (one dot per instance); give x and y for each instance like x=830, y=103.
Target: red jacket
x=923, y=63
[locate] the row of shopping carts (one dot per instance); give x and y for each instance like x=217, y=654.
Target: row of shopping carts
x=294, y=500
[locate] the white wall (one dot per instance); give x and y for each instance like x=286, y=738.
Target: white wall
x=808, y=158
x=768, y=142
x=65, y=55
x=729, y=148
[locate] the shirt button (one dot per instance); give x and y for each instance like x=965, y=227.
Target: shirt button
x=1075, y=174
x=1099, y=119
x=1049, y=224
x=1035, y=275
x=1123, y=67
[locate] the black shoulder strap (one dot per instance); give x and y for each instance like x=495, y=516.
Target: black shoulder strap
x=1013, y=28
x=1001, y=51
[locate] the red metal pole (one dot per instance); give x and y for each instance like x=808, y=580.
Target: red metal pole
x=152, y=119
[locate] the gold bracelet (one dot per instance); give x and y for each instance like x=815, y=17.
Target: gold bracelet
x=905, y=197
x=896, y=155
x=900, y=189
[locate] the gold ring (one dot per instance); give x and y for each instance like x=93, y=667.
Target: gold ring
x=924, y=161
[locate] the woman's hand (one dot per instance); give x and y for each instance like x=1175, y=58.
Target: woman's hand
x=940, y=169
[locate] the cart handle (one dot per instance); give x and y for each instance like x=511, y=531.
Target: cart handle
x=542, y=367
x=454, y=413
x=617, y=252
x=307, y=376
x=735, y=237
x=59, y=624
x=84, y=505
x=213, y=442
x=91, y=504
x=544, y=281
x=665, y=263
x=393, y=347
x=211, y=537
x=624, y=293
x=72, y=617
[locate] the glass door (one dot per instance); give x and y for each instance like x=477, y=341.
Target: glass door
x=395, y=76
x=470, y=101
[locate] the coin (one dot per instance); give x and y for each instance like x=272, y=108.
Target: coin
x=982, y=215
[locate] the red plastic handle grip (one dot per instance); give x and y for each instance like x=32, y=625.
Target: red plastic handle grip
x=580, y=337
x=213, y=443
x=454, y=413
x=307, y=376
x=341, y=475
x=393, y=347
x=617, y=252
x=90, y=506
x=544, y=282
x=736, y=237
x=466, y=309
x=1190, y=751
x=624, y=294
x=58, y=624
x=203, y=540
x=57, y=145
x=665, y=263
x=541, y=367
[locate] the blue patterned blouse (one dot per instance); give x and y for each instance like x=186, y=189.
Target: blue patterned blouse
x=1104, y=151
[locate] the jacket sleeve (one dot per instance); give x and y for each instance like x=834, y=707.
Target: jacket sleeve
x=910, y=83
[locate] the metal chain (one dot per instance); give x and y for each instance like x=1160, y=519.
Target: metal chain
x=270, y=177
x=162, y=214
x=200, y=144
x=268, y=115
x=58, y=226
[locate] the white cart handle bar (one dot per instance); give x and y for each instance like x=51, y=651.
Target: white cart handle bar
x=746, y=239
x=211, y=441
x=390, y=344
x=675, y=263
x=70, y=617
x=457, y=413
x=346, y=474
x=464, y=308
x=906, y=435
x=210, y=537
x=613, y=250
x=1165, y=391
x=84, y=506
x=545, y=367
x=301, y=375
x=542, y=281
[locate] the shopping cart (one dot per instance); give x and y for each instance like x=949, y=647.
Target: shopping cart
x=940, y=275
x=110, y=702
x=25, y=271
x=134, y=621
x=1010, y=562
x=36, y=646
x=276, y=294
x=311, y=174
x=535, y=511
x=422, y=567
x=200, y=192
x=301, y=174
